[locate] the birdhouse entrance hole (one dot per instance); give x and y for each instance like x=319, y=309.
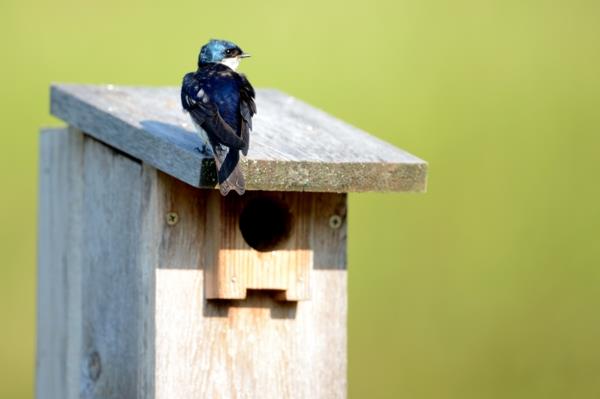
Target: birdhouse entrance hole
x=265, y=223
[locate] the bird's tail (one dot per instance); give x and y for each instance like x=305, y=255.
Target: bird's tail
x=229, y=173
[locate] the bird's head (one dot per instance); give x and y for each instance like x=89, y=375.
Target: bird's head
x=221, y=52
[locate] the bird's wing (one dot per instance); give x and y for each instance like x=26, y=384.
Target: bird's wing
x=247, y=110
x=206, y=114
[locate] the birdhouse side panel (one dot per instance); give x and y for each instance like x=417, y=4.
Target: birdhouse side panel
x=58, y=267
x=95, y=289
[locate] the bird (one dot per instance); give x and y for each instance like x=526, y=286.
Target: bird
x=220, y=102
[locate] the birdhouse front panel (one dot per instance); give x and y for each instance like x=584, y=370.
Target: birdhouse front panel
x=267, y=343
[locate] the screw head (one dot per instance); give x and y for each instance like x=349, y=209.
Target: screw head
x=172, y=218
x=335, y=221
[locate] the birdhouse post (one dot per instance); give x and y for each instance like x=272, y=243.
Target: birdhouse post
x=153, y=285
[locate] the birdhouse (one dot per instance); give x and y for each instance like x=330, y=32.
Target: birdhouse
x=153, y=285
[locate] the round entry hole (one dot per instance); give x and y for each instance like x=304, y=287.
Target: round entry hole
x=265, y=223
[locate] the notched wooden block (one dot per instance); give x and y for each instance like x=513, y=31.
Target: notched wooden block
x=260, y=241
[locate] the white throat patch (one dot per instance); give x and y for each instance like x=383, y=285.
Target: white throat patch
x=233, y=62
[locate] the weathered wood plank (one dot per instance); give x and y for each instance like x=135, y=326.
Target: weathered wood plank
x=294, y=147
x=95, y=271
x=257, y=347
x=117, y=285
x=59, y=262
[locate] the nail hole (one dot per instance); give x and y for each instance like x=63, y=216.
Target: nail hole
x=265, y=223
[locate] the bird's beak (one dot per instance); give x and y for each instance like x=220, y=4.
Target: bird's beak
x=244, y=55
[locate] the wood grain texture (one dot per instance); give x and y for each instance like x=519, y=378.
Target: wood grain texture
x=122, y=310
x=117, y=313
x=257, y=347
x=59, y=264
x=294, y=147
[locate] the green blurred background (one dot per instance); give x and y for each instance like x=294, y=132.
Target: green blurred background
x=488, y=286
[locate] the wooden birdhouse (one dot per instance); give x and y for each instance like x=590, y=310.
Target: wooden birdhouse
x=153, y=285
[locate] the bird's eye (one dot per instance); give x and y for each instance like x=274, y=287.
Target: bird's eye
x=228, y=51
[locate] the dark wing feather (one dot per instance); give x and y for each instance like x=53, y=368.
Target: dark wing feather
x=224, y=139
x=247, y=110
x=206, y=114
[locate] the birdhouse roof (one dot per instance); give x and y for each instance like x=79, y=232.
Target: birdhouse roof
x=293, y=146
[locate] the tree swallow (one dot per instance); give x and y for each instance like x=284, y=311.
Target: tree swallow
x=220, y=102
